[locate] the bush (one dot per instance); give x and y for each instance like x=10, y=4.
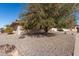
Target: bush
x=9, y=30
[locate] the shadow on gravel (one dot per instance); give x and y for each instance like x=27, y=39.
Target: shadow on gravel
x=41, y=34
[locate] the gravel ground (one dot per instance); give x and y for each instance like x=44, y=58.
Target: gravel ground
x=58, y=45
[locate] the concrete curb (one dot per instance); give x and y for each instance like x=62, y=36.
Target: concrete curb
x=76, y=48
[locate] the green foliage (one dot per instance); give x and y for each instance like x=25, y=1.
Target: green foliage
x=7, y=25
x=20, y=22
x=46, y=16
x=9, y=30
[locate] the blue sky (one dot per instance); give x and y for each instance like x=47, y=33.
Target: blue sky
x=77, y=17
x=9, y=12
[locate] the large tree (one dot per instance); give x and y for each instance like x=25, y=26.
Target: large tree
x=46, y=16
x=70, y=22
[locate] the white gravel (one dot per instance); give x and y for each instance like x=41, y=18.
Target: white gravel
x=58, y=45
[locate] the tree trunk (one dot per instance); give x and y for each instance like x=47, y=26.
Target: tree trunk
x=46, y=29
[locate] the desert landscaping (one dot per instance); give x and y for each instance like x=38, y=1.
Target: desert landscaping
x=58, y=44
x=50, y=29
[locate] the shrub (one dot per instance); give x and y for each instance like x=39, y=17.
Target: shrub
x=9, y=30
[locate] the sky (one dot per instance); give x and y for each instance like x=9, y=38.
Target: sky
x=77, y=17
x=9, y=12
